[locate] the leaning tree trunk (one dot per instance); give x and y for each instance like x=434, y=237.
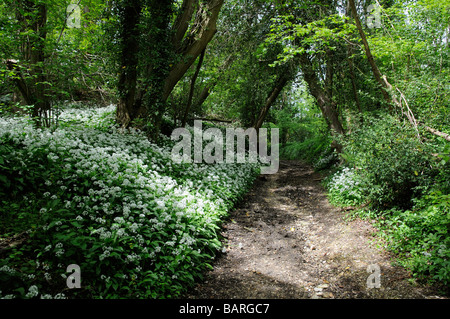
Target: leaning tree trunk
x=351, y=67
x=205, y=92
x=327, y=106
x=376, y=72
x=386, y=86
x=194, y=43
x=187, y=41
x=279, y=85
x=191, y=89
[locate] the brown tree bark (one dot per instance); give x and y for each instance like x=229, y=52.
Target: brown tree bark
x=279, y=85
x=328, y=83
x=353, y=80
x=20, y=82
x=33, y=86
x=127, y=108
x=350, y=66
x=376, y=72
x=181, y=24
x=193, y=45
x=209, y=86
x=187, y=46
x=192, y=87
x=205, y=93
x=326, y=104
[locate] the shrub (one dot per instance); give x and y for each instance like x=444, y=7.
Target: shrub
x=308, y=150
x=421, y=237
x=344, y=187
x=392, y=163
x=408, y=189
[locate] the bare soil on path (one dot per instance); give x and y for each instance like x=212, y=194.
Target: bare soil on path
x=285, y=241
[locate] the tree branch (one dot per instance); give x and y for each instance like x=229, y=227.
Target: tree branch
x=210, y=119
x=193, y=48
x=192, y=87
x=182, y=22
x=436, y=132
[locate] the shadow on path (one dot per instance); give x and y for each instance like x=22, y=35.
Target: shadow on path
x=286, y=241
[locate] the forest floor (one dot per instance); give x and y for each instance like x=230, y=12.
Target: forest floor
x=286, y=241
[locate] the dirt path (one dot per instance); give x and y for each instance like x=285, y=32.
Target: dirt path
x=287, y=241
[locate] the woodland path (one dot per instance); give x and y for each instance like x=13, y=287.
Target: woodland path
x=286, y=241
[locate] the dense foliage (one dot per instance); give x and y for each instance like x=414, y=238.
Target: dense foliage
x=86, y=193
x=405, y=187
x=361, y=95
x=391, y=169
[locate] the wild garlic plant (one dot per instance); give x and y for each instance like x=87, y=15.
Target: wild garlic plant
x=137, y=224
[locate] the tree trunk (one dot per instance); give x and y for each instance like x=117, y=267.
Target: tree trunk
x=33, y=86
x=42, y=105
x=279, y=85
x=181, y=24
x=328, y=83
x=192, y=87
x=20, y=82
x=204, y=94
x=353, y=80
x=350, y=66
x=158, y=80
x=376, y=72
x=194, y=43
x=326, y=104
x=386, y=86
x=207, y=89
x=127, y=109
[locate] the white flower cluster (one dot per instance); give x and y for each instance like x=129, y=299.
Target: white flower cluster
x=7, y=269
x=130, y=189
x=344, y=180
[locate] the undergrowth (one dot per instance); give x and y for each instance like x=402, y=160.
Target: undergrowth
x=403, y=185
x=138, y=224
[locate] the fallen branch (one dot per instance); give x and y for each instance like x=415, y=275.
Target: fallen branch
x=409, y=114
x=14, y=241
x=211, y=120
x=348, y=208
x=436, y=132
